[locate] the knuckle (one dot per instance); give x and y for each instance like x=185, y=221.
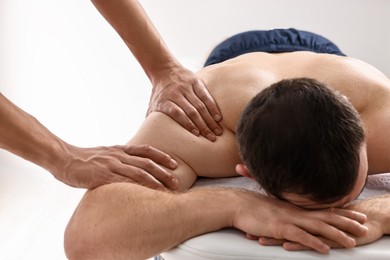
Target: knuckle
x=110, y=165
x=204, y=129
x=173, y=111
x=192, y=112
x=202, y=95
x=132, y=149
x=139, y=175
x=331, y=217
x=281, y=230
x=165, y=158
x=199, y=106
x=149, y=164
x=117, y=147
x=146, y=148
x=163, y=105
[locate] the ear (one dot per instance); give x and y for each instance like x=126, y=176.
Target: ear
x=242, y=170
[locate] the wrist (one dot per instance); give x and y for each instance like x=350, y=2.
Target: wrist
x=164, y=69
x=215, y=207
x=386, y=222
x=59, y=156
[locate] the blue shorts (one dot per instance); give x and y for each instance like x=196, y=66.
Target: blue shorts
x=273, y=41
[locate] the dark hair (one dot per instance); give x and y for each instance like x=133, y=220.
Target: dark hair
x=299, y=136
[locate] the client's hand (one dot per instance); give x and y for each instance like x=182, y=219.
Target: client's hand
x=93, y=167
x=274, y=222
x=182, y=96
x=376, y=209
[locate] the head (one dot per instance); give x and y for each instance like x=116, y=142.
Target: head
x=304, y=142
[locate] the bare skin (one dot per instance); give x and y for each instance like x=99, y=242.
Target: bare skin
x=25, y=136
x=232, y=84
x=177, y=91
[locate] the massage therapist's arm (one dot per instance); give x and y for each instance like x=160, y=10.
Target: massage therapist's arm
x=129, y=221
x=177, y=91
x=23, y=135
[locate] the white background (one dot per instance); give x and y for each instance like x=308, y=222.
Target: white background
x=61, y=62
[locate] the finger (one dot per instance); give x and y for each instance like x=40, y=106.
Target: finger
x=251, y=237
x=200, y=115
x=144, y=170
x=328, y=230
x=197, y=119
x=351, y=214
x=176, y=113
x=300, y=236
x=193, y=114
x=293, y=246
x=187, y=113
x=347, y=224
x=266, y=241
x=204, y=95
x=138, y=175
x=152, y=153
x=209, y=109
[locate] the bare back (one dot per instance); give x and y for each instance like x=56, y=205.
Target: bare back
x=234, y=82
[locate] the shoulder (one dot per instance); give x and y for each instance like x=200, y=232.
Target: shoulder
x=196, y=156
x=233, y=83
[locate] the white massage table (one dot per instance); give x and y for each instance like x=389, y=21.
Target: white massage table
x=232, y=244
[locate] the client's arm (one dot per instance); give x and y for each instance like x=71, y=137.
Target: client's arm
x=377, y=210
x=128, y=221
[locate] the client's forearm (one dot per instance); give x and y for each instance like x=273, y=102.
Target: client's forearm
x=128, y=221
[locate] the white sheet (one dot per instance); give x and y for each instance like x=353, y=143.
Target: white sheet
x=77, y=77
x=232, y=244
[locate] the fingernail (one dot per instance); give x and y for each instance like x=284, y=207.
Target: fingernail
x=211, y=137
x=351, y=242
x=195, y=132
x=325, y=249
x=217, y=117
x=173, y=163
x=175, y=182
x=218, y=131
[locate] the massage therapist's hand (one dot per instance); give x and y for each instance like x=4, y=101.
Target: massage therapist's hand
x=177, y=91
x=93, y=167
x=286, y=222
x=180, y=94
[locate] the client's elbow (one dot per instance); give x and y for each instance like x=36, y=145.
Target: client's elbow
x=89, y=233
x=79, y=238
x=101, y=226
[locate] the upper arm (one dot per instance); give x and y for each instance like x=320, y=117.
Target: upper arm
x=196, y=156
x=377, y=124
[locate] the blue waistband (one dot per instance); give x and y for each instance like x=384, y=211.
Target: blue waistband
x=272, y=41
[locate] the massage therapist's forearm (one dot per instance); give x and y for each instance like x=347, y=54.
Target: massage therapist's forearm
x=177, y=91
x=23, y=135
x=127, y=221
x=131, y=22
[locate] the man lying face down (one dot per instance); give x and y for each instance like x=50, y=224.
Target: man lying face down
x=304, y=143
x=312, y=126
